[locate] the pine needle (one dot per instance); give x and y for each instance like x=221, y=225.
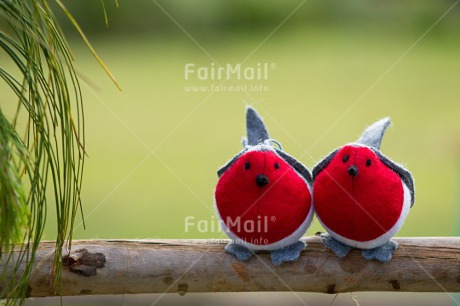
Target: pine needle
x=105, y=14
x=82, y=34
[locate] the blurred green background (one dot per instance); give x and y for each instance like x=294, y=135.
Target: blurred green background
x=335, y=67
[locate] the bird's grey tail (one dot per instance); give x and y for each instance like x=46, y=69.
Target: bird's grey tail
x=255, y=128
x=373, y=135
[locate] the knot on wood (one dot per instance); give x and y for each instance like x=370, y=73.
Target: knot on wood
x=83, y=262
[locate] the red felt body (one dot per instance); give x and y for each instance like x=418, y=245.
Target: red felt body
x=360, y=208
x=279, y=207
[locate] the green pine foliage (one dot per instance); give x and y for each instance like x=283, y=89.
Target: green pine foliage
x=49, y=158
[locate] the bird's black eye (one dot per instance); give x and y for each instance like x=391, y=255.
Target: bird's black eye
x=277, y=165
x=345, y=158
x=368, y=162
x=247, y=165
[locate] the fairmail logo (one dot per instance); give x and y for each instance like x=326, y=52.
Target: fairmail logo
x=213, y=225
x=213, y=72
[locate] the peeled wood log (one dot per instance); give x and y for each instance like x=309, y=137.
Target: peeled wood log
x=157, y=266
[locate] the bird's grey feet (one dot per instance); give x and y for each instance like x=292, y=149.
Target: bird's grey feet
x=338, y=247
x=382, y=253
x=241, y=252
x=287, y=254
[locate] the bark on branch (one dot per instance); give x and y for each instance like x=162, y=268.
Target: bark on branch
x=156, y=266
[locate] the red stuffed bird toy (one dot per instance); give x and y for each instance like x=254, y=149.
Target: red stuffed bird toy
x=361, y=197
x=263, y=198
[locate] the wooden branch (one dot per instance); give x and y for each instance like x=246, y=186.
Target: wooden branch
x=156, y=266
